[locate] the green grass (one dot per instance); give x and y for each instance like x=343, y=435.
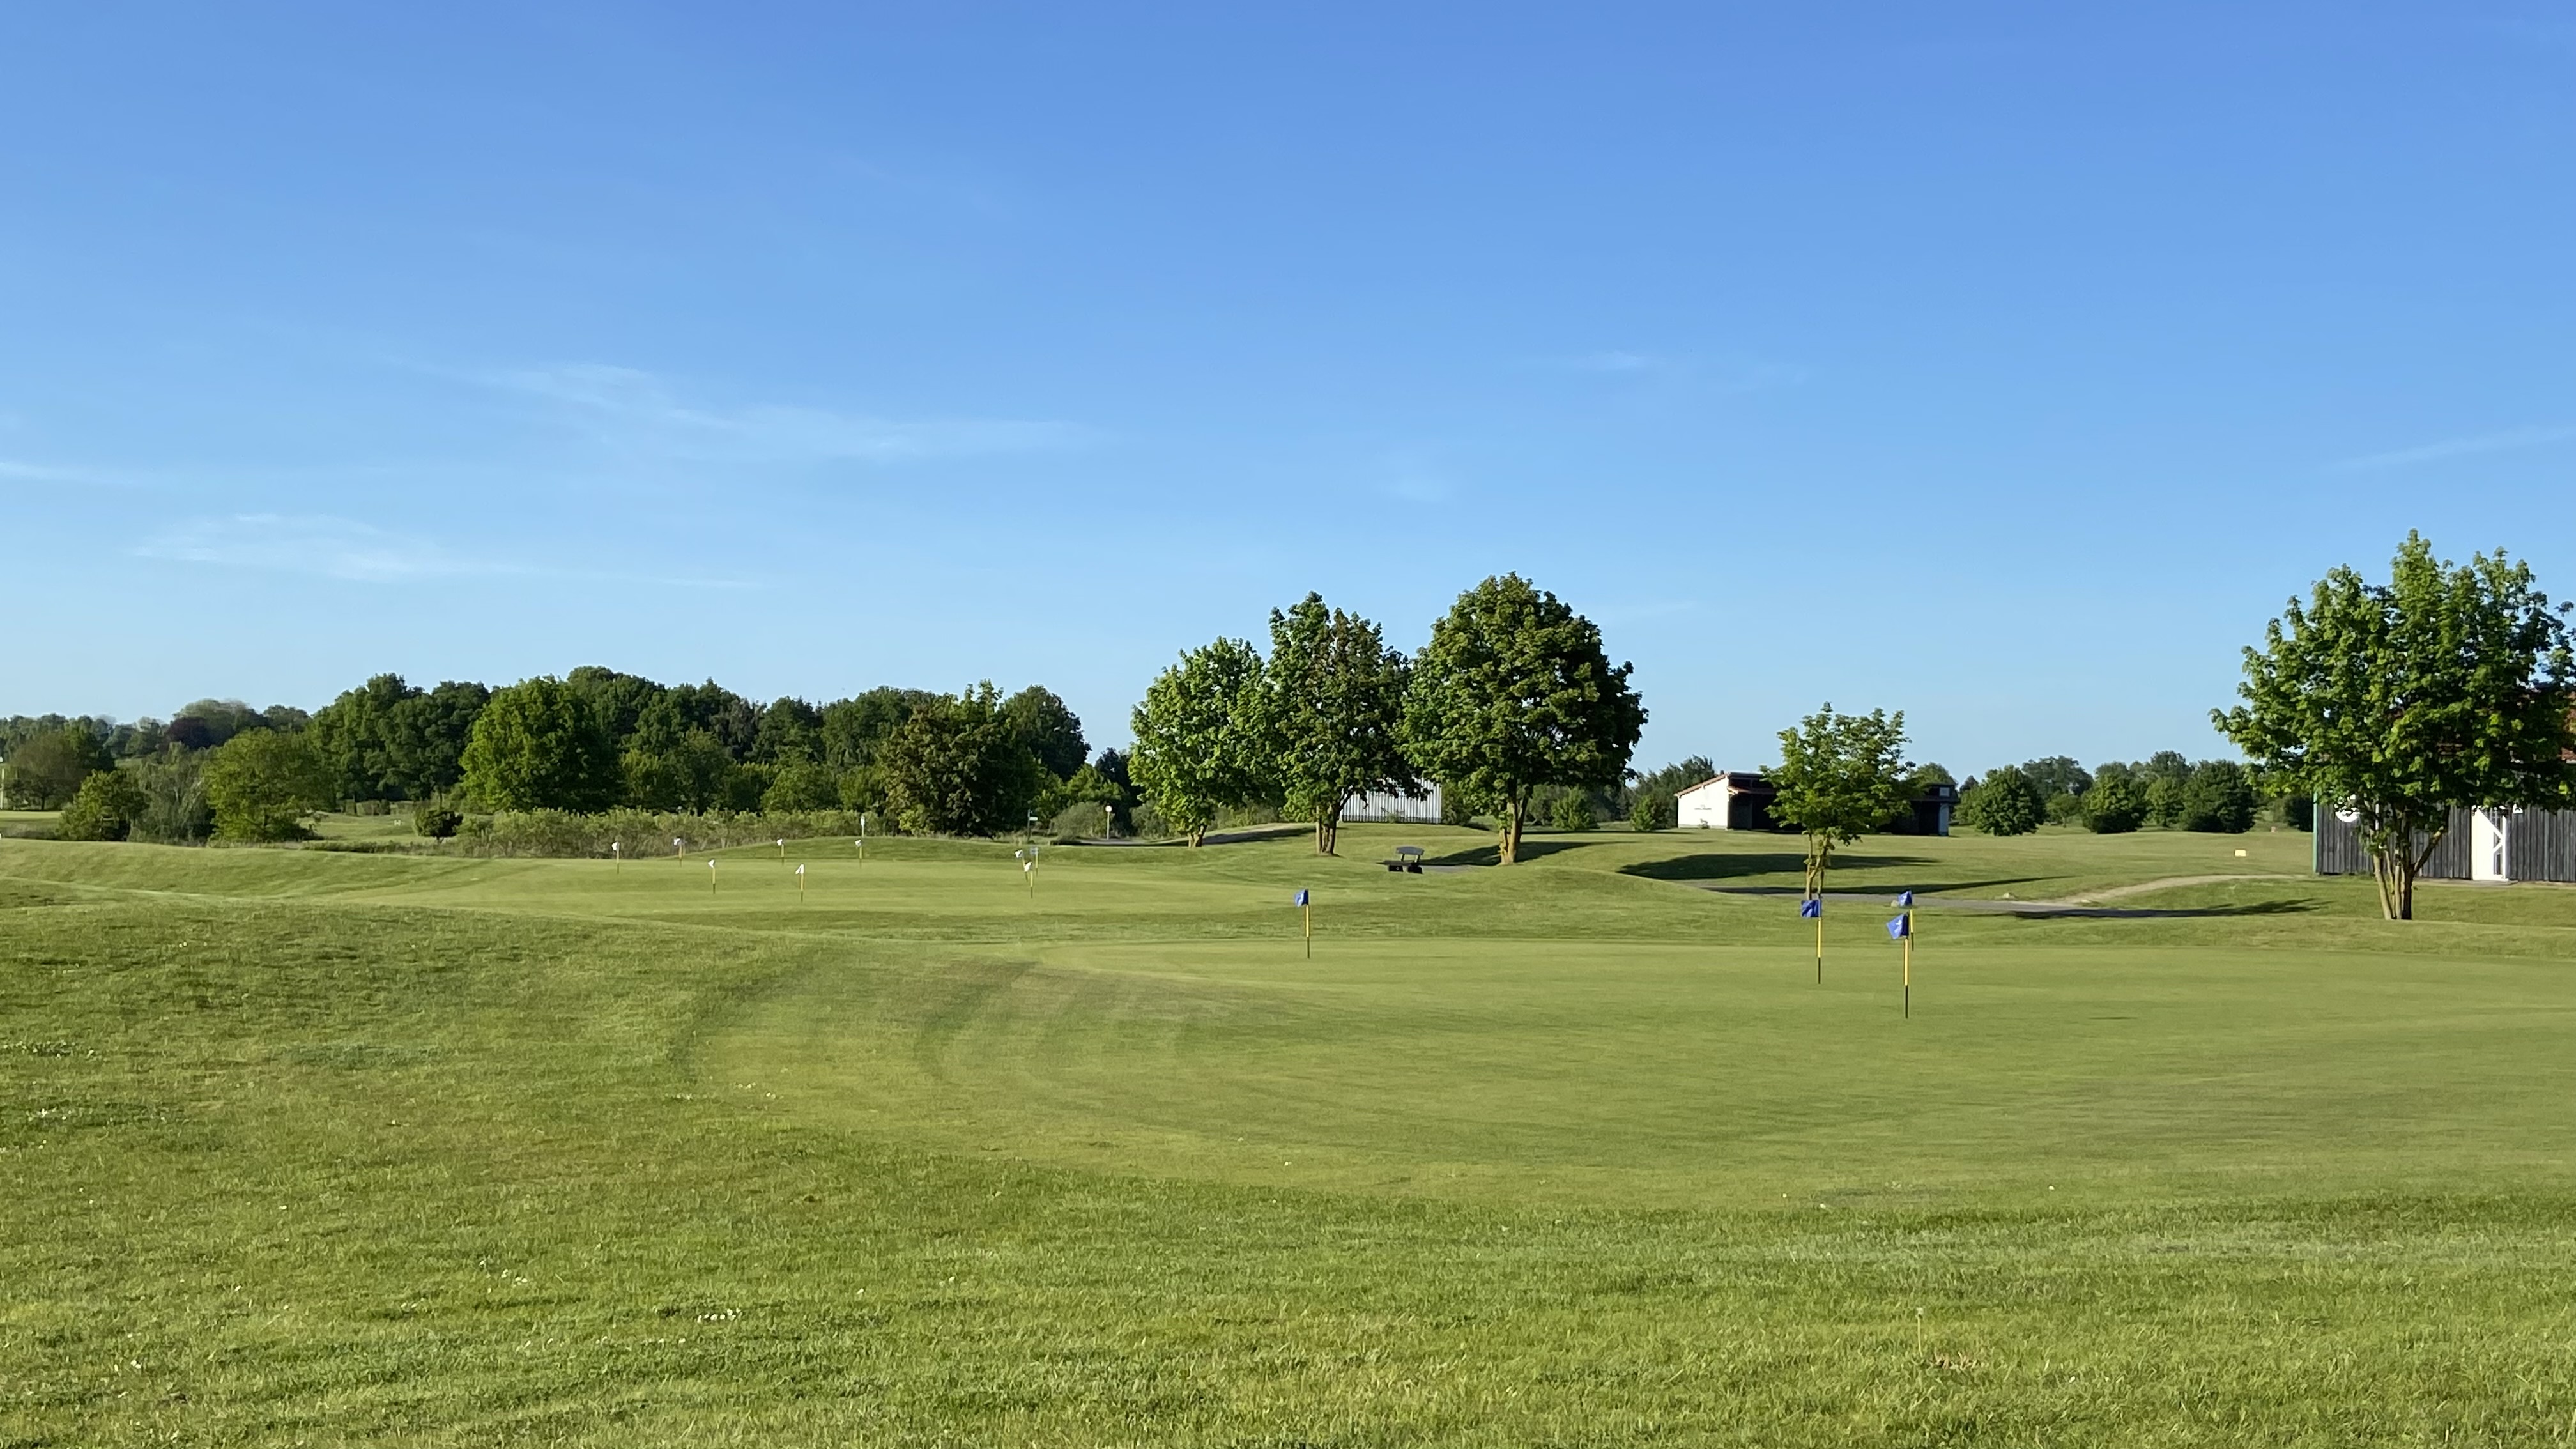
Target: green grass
x=331, y=1148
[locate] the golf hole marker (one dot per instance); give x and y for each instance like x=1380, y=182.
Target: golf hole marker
x=1306, y=908
x=1813, y=908
x=1902, y=930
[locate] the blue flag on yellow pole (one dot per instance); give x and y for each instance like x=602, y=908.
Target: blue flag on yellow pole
x=1811, y=909
x=1905, y=899
x=1900, y=928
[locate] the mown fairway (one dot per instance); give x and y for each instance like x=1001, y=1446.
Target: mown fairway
x=326, y=1148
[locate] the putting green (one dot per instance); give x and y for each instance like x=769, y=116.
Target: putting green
x=1660, y=1074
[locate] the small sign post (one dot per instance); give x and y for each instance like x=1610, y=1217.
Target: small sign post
x=1306, y=908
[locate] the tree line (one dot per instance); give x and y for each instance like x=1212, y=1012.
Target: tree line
x=1513, y=696
x=2165, y=791
x=975, y=762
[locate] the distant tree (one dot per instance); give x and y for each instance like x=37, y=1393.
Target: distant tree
x=2164, y=797
x=1514, y=692
x=2219, y=798
x=357, y=738
x=1048, y=729
x=104, y=808
x=802, y=785
x=1329, y=713
x=2004, y=803
x=206, y=723
x=429, y=732
x=2300, y=811
x=285, y=718
x=954, y=768
x=1840, y=777
x=1654, y=808
x=2057, y=775
x=852, y=728
x=264, y=783
x=1197, y=751
x=618, y=699
x=437, y=819
x=2448, y=685
x=790, y=731
x=693, y=773
x=2115, y=805
x=1929, y=775
x=538, y=746
x=175, y=811
x=47, y=771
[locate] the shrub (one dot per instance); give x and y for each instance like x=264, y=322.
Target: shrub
x=1655, y=808
x=2004, y=803
x=436, y=819
x=2115, y=805
x=104, y=808
x=644, y=834
x=1573, y=811
x=1082, y=820
x=2219, y=798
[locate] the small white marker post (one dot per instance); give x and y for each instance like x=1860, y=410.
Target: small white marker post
x=711, y=877
x=800, y=885
x=782, y=848
x=863, y=837
x=678, y=849
x=616, y=860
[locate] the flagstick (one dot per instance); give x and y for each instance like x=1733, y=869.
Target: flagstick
x=1820, y=944
x=711, y=877
x=1309, y=911
x=1909, y=965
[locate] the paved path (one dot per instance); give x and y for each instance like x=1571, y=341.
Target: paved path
x=2087, y=904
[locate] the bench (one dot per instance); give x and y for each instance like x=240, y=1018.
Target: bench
x=1408, y=858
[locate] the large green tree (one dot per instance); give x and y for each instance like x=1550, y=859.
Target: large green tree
x=2447, y=685
x=47, y=771
x=1197, y=752
x=1840, y=777
x=429, y=735
x=1514, y=692
x=954, y=767
x=262, y=785
x=540, y=746
x=1330, y=714
x=1043, y=723
x=357, y=738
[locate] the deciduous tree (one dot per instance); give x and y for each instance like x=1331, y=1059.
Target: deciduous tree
x=2006, y=802
x=2447, y=685
x=264, y=783
x=540, y=746
x=1197, y=751
x=1514, y=692
x=1330, y=712
x=1840, y=777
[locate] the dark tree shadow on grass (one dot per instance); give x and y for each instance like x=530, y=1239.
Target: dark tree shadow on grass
x=1531, y=849
x=2176, y=913
x=1769, y=862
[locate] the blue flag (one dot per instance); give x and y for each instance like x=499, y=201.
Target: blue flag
x=1301, y=898
x=1900, y=928
x=1905, y=899
x=1811, y=909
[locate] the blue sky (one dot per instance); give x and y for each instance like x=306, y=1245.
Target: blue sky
x=2004, y=364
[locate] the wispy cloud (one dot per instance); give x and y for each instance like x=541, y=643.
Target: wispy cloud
x=338, y=548
x=344, y=548
x=634, y=409
x=2503, y=442
x=1723, y=374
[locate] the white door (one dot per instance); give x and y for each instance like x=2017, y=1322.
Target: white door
x=2487, y=830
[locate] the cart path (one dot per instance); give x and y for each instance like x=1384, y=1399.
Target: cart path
x=2088, y=903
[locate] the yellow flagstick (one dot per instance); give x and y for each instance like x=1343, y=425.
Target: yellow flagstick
x=1820, y=946
x=616, y=858
x=1909, y=965
x=711, y=877
x=1306, y=909
x=782, y=850
x=800, y=884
